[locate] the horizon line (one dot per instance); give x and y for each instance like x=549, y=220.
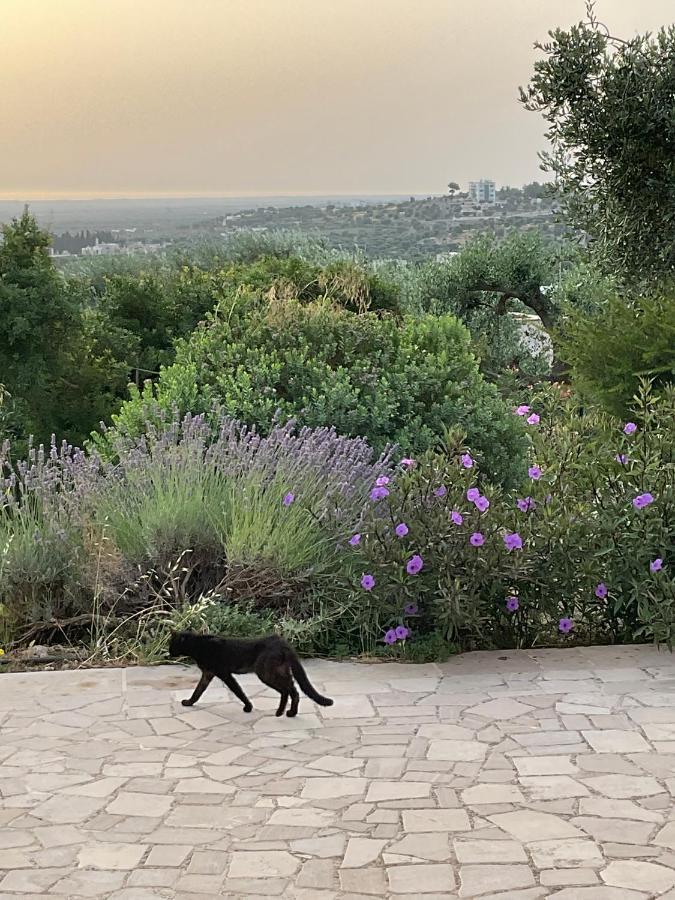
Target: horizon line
x=16, y=197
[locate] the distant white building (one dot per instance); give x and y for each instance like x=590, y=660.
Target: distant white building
x=102, y=249
x=482, y=191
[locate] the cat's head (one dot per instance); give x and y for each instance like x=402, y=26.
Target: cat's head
x=178, y=645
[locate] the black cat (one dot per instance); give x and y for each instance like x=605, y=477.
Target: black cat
x=271, y=658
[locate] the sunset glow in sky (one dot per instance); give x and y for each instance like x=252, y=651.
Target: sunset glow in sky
x=236, y=97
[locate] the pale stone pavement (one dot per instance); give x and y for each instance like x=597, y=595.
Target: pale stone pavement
x=510, y=775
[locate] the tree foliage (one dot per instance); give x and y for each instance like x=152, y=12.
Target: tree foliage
x=386, y=378
x=608, y=354
x=610, y=109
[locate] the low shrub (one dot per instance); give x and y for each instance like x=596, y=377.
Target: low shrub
x=389, y=380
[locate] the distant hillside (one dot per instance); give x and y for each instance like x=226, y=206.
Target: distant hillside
x=410, y=229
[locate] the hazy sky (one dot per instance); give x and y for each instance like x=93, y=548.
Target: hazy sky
x=200, y=97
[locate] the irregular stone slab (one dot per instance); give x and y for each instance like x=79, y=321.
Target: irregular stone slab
x=485, y=879
x=397, y=790
x=482, y=794
x=444, y=820
x=501, y=709
x=361, y=852
x=486, y=851
x=619, y=830
x=617, y=809
x=527, y=825
x=639, y=876
x=331, y=788
x=433, y=846
x=456, y=751
x=545, y=765
x=130, y=804
x=565, y=854
x=437, y=878
x=111, y=856
x=270, y=864
x=611, y=741
x=621, y=787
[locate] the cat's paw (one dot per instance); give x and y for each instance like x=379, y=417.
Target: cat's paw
x=291, y=714
x=278, y=713
x=248, y=707
x=187, y=702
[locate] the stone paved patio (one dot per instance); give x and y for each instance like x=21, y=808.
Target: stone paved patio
x=510, y=775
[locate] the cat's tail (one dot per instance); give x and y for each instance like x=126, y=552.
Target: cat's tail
x=305, y=685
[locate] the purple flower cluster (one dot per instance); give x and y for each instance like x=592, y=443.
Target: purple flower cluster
x=534, y=472
x=379, y=493
x=400, y=633
x=601, y=591
x=367, y=582
x=629, y=428
x=415, y=565
x=473, y=495
x=566, y=625
x=643, y=500
x=513, y=541
x=477, y=539
x=467, y=460
x=401, y=530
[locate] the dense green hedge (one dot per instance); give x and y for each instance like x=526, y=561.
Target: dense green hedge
x=390, y=379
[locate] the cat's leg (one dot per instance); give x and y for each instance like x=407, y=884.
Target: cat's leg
x=283, y=700
x=235, y=687
x=204, y=682
x=281, y=681
x=295, y=699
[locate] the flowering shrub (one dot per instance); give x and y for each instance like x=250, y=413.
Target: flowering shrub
x=581, y=555
x=345, y=551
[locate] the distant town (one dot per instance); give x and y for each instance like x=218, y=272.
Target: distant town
x=411, y=228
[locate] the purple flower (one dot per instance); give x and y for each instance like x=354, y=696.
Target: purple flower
x=513, y=541
x=415, y=564
x=472, y=494
x=367, y=582
x=522, y=410
x=601, y=590
x=533, y=419
x=512, y=604
x=655, y=565
x=642, y=500
x=476, y=539
x=288, y=499
x=621, y=458
x=390, y=636
x=402, y=632
x=526, y=504
x=456, y=517
x=629, y=428
x=401, y=530
x=379, y=493
x=467, y=461
x=354, y=540
x=534, y=472
x=482, y=503
x=382, y=480
x=411, y=609
x=565, y=625
x=407, y=462
x=440, y=491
